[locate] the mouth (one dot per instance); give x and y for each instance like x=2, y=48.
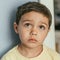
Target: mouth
x=32, y=40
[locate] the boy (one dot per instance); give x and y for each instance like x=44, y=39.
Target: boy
x=33, y=21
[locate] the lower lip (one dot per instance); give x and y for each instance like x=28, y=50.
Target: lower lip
x=32, y=40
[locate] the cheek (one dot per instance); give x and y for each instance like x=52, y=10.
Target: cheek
x=42, y=35
x=23, y=34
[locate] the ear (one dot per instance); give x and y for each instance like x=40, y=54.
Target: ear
x=16, y=27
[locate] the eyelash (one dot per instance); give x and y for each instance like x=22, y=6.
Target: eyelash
x=27, y=24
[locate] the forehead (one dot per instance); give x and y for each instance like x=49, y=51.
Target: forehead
x=34, y=17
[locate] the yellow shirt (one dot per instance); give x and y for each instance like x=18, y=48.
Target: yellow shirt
x=47, y=54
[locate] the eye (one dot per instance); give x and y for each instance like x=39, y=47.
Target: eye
x=27, y=24
x=42, y=27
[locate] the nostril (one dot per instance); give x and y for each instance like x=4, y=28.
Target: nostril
x=33, y=32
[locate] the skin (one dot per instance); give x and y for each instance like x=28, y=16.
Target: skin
x=32, y=29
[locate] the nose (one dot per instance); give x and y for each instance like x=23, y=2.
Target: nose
x=34, y=31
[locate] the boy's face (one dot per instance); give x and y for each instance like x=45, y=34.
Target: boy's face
x=32, y=29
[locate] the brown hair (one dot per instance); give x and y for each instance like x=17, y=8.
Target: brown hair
x=33, y=6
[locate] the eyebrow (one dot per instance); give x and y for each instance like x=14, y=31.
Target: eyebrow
x=31, y=20
x=26, y=20
x=44, y=23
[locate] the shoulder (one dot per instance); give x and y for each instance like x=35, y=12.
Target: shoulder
x=10, y=53
x=52, y=53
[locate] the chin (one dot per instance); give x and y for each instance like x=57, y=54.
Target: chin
x=32, y=45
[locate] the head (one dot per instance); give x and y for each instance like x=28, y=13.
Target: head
x=33, y=21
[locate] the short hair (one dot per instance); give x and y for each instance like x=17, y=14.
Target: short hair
x=33, y=6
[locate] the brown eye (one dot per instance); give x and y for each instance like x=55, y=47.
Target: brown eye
x=42, y=27
x=27, y=24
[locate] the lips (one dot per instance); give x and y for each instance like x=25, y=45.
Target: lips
x=32, y=40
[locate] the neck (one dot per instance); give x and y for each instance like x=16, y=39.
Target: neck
x=30, y=52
